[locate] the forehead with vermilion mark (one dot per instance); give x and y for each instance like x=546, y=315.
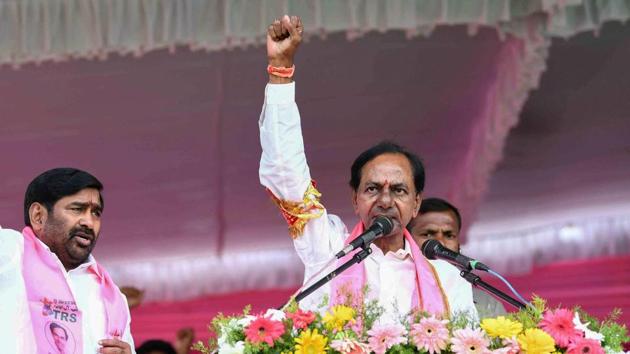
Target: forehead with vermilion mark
x=388, y=170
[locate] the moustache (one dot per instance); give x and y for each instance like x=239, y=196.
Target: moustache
x=385, y=212
x=82, y=231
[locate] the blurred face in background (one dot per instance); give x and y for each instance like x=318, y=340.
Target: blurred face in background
x=437, y=225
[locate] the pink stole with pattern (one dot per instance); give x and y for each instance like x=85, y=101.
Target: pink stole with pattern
x=55, y=316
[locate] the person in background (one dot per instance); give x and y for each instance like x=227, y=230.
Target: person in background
x=156, y=346
x=183, y=344
x=439, y=220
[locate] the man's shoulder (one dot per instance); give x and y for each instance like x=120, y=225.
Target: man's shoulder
x=11, y=249
x=9, y=239
x=9, y=231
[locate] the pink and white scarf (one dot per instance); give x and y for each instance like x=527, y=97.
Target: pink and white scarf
x=55, y=316
x=428, y=295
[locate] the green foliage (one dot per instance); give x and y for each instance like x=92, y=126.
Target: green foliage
x=200, y=347
x=531, y=315
x=292, y=306
x=614, y=334
x=371, y=312
x=461, y=320
x=402, y=349
x=593, y=323
x=324, y=304
x=247, y=310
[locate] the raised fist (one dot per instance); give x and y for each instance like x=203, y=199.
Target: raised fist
x=283, y=38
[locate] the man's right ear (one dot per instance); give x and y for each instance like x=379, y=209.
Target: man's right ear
x=38, y=214
x=355, y=203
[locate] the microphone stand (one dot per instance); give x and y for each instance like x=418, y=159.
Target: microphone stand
x=357, y=258
x=476, y=281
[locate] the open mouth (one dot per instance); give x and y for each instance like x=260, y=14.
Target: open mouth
x=84, y=240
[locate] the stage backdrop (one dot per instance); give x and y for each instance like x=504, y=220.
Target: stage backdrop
x=172, y=132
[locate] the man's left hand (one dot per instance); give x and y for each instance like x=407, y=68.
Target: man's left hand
x=114, y=346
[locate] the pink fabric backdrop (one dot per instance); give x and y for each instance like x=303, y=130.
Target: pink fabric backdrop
x=562, y=190
x=174, y=138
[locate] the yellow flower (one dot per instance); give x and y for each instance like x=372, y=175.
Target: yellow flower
x=338, y=316
x=310, y=343
x=501, y=327
x=536, y=341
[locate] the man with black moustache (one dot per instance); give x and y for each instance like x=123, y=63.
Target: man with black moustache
x=48, y=275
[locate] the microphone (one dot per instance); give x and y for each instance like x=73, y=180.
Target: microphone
x=381, y=226
x=433, y=249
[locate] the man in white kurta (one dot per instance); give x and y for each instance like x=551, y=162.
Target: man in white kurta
x=284, y=171
x=82, y=309
x=15, y=329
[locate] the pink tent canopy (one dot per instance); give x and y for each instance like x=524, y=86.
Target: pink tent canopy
x=174, y=138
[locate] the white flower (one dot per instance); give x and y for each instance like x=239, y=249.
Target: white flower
x=275, y=315
x=245, y=321
x=231, y=326
x=222, y=338
x=610, y=351
x=237, y=348
x=588, y=334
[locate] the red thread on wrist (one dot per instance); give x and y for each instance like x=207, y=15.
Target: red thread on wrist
x=281, y=71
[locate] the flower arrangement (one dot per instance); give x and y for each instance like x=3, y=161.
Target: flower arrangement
x=349, y=330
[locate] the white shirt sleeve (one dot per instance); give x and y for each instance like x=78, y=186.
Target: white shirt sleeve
x=11, y=288
x=127, y=334
x=284, y=171
x=10, y=258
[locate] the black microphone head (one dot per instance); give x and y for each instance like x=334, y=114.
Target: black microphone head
x=385, y=223
x=430, y=247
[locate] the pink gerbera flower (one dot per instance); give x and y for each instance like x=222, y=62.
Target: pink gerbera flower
x=511, y=347
x=559, y=325
x=383, y=337
x=430, y=334
x=349, y=346
x=512, y=344
x=585, y=346
x=264, y=330
x=301, y=319
x=469, y=341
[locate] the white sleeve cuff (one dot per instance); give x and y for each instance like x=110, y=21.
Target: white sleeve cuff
x=280, y=93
